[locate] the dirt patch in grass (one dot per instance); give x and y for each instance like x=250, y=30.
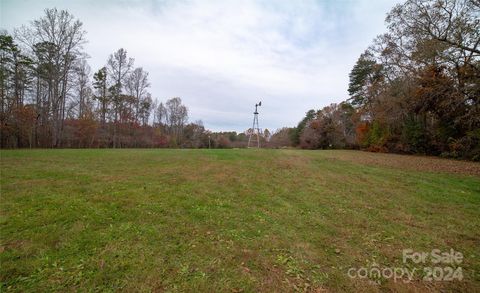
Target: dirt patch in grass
x=406, y=162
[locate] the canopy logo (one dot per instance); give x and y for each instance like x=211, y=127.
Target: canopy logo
x=438, y=266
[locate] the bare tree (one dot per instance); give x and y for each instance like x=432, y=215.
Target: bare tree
x=82, y=84
x=137, y=84
x=161, y=114
x=177, y=116
x=55, y=42
x=118, y=66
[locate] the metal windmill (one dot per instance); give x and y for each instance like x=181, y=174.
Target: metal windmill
x=255, y=131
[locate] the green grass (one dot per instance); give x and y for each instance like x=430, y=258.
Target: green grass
x=223, y=221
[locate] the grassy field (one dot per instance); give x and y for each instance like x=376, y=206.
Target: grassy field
x=230, y=220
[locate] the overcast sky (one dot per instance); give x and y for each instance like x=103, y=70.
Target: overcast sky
x=221, y=57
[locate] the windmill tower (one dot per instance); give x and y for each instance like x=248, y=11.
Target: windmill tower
x=255, y=132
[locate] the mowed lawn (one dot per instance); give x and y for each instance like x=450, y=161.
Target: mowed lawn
x=230, y=220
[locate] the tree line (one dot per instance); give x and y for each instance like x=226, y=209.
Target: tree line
x=416, y=89
x=50, y=98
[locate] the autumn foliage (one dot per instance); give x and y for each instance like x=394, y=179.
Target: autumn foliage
x=416, y=89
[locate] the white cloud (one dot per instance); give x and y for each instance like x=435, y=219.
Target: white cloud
x=222, y=56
